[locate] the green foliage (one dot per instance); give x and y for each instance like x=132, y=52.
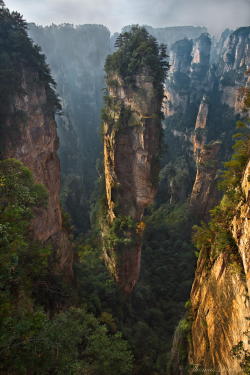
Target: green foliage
x=68, y=342
x=147, y=318
x=240, y=353
x=138, y=52
x=121, y=233
x=116, y=113
x=22, y=260
x=232, y=175
x=184, y=325
x=215, y=237
x=72, y=342
x=17, y=52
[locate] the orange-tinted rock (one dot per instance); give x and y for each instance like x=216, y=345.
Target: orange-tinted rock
x=220, y=299
x=131, y=154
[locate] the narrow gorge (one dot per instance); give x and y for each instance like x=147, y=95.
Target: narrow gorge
x=124, y=199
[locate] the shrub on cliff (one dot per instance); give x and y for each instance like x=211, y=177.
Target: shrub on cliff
x=138, y=53
x=216, y=235
x=22, y=260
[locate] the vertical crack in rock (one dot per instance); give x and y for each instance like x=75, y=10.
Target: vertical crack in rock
x=132, y=133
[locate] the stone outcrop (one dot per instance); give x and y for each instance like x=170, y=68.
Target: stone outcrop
x=131, y=153
x=32, y=139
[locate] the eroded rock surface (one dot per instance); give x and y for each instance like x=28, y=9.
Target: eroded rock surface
x=131, y=155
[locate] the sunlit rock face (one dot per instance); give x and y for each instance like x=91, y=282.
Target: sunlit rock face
x=241, y=226
x=219, y=306
x=131, y=155
x=220, y=293
x=33, y=140
x=220, y=299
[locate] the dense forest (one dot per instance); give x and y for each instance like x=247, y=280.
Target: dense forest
x=65, y=314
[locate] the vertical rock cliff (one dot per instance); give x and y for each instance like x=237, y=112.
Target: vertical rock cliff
x=214, y=335
x=204, y=98
x=233, y=64
x=204, y=193
x=132, y=132
x=186, y=109
x=228, y=84
x=28, y=128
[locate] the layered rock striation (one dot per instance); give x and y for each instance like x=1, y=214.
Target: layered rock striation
x=132, y=133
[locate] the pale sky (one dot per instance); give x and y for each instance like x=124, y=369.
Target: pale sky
x=216, y=15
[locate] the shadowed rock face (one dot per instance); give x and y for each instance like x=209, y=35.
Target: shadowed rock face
x=34, y=142
x=204, y=194
x=131, y=154
x=234, y=62
x=205, y=94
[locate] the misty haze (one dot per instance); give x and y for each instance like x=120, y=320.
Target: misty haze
x=216, y=15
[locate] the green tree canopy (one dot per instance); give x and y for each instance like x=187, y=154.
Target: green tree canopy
x=138, y=52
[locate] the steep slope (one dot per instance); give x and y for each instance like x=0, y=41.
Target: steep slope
x=132, y=128
x=28, y=127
